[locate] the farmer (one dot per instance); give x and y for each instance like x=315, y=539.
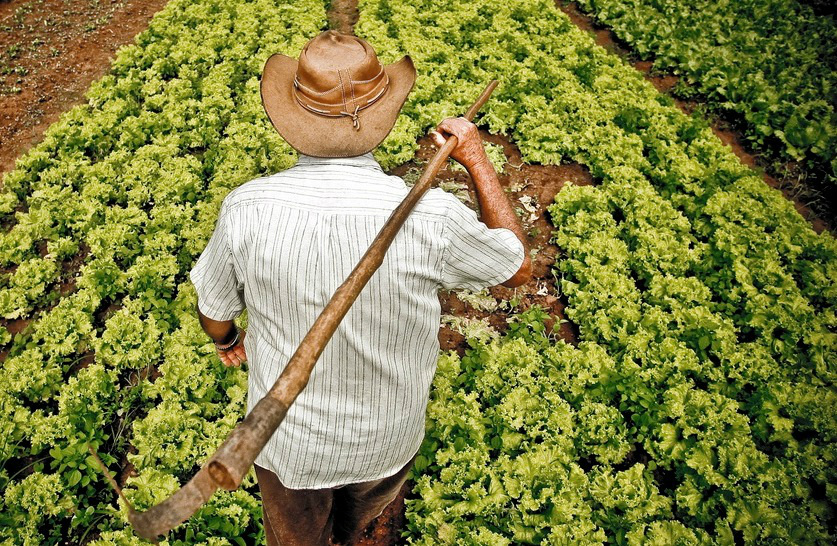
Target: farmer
x=284, y=243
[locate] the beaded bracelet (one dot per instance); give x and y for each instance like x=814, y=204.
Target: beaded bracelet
x=232, y=343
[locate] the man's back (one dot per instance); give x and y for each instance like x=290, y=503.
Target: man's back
x=293, y=238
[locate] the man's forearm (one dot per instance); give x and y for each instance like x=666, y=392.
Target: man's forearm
x=495, y=209
x=221, y=331
x=496, y=212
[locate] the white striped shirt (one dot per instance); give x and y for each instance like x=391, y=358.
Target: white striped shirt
x=281, y=247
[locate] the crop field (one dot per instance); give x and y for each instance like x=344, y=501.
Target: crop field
x=769, y=65
x=668, y=377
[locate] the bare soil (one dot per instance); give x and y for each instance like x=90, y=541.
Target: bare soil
x=532, y=184
x=342, y=15
x=541, y=183
x=50, y=52
x=537, y=186
x=386, y=529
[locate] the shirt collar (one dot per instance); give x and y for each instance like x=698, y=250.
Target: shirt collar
x=365, y=160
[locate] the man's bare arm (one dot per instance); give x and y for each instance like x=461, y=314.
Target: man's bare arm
x=223, y=332
x=495, y=209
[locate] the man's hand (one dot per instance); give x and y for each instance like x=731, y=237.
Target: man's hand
x=236, y=355
x=495, y=209
x=223, y=332
x=469, y=151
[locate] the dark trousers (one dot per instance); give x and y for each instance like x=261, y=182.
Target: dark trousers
x=308, y=517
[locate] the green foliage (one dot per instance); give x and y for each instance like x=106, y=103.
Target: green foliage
x=114, y=205
x=769, y=63
x=498, y=463
x=708, y=299
x=129, y=339
x=31, y=503
x=27, y=286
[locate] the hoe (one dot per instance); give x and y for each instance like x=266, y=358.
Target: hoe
x=231, y=462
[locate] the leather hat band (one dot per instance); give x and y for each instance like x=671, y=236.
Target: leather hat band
x=345, y=100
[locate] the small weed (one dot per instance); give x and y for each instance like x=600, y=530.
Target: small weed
x=511, y=305
x=54, y=52
x=20, y=14
x=13, y=51
x=411, y=176
x=99, y=21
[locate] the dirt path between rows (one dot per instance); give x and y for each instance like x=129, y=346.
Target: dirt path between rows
x=343, y=15
x=531, y=189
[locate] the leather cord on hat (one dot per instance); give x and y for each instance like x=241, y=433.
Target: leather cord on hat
x=355, y=119
x=340, y=113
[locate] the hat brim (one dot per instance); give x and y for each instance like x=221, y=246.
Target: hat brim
x=322, y=136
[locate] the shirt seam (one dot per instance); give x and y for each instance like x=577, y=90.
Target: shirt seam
x=361, y=165
x=516, y=269
x=358, y=166
x=445, y=243
x=441, y=218
x=224, y=216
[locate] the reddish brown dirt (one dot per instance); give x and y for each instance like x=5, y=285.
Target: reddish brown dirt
x=14, y=327
x=386, y=529
x=521, y=181
x=664, y=82
x=51, y=50
x=602, y=35
x=342, y=15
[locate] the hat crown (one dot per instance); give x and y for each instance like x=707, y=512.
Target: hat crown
x=336, y=99
x=332, y=50
x=338, y=73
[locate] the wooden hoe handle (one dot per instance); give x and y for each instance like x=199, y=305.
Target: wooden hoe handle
x=231, y=462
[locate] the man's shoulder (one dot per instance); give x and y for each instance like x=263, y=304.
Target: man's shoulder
x=294, y=187
x=256, y=188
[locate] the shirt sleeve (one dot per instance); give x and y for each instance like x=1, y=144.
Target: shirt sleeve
x=477, y=256
x=213, y=275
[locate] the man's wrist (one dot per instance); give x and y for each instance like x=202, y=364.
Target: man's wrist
x=479, y=164
x=231, y=344
x=228, y=338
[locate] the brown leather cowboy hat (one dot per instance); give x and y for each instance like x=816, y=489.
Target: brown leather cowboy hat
x=337, y=100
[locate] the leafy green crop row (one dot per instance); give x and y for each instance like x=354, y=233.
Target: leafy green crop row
x=771, y=63
x=714, y=300
x=526, y=446
x=698, y=409
x=114, y=207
